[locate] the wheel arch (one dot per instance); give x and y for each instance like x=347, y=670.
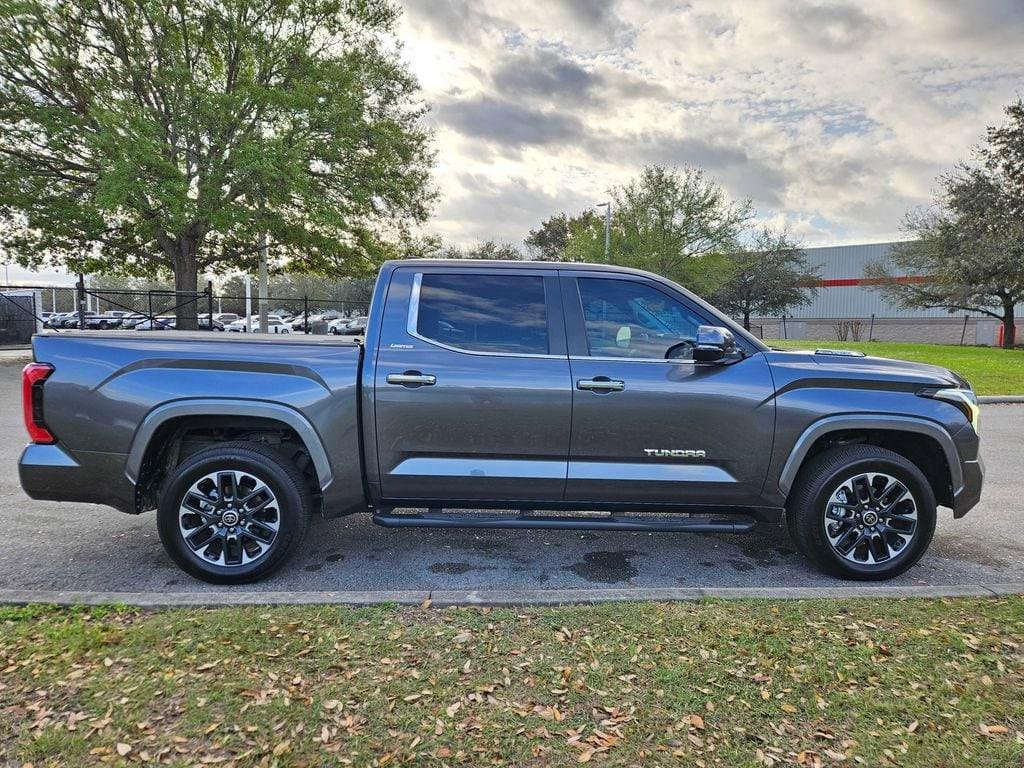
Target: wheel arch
x=925, y=443
x=161, y=422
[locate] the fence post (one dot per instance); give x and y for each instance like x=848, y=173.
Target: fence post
x=209, y=301
x=305, y=314
x=149, y=298
x=963, y=333
x=81, y=301
x=871, y=328
x=785, y=333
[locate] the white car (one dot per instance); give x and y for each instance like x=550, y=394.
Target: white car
x=274, y=325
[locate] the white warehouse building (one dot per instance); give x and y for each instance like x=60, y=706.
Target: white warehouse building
x=848, y=306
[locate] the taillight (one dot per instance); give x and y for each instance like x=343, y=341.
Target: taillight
x=32, y=378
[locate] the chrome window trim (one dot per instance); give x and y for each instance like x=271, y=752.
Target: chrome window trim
x=582, y=358
x=414, y=310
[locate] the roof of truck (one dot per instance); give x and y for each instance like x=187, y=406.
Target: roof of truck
x=517, y=264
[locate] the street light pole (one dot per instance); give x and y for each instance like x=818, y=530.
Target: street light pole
x=607, y=227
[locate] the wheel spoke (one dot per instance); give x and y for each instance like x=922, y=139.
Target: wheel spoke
x=200, y=505
x=227, y=486
x=260, y=532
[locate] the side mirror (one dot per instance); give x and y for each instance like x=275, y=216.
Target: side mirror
x=714, y=344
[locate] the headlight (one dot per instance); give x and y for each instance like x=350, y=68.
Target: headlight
x=964, y=399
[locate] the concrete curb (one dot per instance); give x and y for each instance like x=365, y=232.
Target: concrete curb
x=497, y=597
x=1000, y=399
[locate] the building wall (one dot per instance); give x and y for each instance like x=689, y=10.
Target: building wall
x=846, y=296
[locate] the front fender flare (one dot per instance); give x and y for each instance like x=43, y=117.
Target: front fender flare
x=873, y=422
x=224, y=407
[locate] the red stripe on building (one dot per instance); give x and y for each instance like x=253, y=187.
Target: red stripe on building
x=850, y=282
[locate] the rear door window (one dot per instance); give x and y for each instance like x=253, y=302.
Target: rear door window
x=484, y=313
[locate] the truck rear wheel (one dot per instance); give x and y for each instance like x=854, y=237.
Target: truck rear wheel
x=233, y=513
x=861, y=512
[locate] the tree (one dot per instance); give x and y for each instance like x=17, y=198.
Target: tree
x=489, y=250
x=968, y=248
x=669, y=221
x=766, y=279
x=161, y=136
x=550, y=240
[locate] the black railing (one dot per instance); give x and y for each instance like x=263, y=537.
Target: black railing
x=82, y=306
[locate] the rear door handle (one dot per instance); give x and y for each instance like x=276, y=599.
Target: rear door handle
x=414, y=378
x=601, y=384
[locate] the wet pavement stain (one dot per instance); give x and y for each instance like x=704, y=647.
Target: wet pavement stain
x=763, y=546
x=605, y=567
x=312, y=567
x=334, y=557
x=741, y=565
x=451, y=568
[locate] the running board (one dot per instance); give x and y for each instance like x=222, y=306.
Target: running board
x=739, y=524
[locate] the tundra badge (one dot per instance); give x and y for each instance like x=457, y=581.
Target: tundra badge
x=675, y=453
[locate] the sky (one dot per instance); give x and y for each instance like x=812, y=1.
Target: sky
x=834, y=118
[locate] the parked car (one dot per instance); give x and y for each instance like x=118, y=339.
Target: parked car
x=225, y=317
x=158, y=323
x=106, y=320
x=274, y=325
x=355, y=326
x=70, y=319
x=298, y=322
x=518, y=386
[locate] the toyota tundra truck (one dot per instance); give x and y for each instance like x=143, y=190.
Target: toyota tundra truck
x=502, y=395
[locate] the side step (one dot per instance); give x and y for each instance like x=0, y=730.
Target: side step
x=438, y=519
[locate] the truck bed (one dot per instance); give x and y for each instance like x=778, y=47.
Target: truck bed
x=110, y=390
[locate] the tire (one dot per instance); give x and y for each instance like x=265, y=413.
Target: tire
x=822, y=525
x=257, y=548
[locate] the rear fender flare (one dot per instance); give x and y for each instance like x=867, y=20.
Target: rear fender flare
x=217, y=407
x=872, y=422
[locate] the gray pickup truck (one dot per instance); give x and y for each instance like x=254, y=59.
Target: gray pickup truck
x=511, y=395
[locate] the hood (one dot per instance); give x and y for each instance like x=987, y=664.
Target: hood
x=841, y=364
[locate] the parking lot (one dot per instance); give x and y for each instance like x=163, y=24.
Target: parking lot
x=51, y=546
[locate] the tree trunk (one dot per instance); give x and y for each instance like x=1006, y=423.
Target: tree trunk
x=1008, y=324
x=186, y=278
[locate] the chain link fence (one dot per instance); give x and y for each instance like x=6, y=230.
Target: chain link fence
x=25, y=310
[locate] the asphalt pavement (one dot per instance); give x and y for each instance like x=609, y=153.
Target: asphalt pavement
x=53, y=547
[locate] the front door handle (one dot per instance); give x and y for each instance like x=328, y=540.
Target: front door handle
x=601, y=384
x=412, y=378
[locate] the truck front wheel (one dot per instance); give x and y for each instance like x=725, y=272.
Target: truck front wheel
x=233, y=513
x=861, y=512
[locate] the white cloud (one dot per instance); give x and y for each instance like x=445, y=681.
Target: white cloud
x=832, y=116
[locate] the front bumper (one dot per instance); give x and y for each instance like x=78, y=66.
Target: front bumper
x=970, y=492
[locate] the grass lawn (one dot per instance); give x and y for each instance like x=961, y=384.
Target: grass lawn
x=990, y=370
x=746, y=683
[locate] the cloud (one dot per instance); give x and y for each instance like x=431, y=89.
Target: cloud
x=833, y=114
x=833, y=26
x=507, y=122
x=461, y=20
x=546, y=74
x=503, y=209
